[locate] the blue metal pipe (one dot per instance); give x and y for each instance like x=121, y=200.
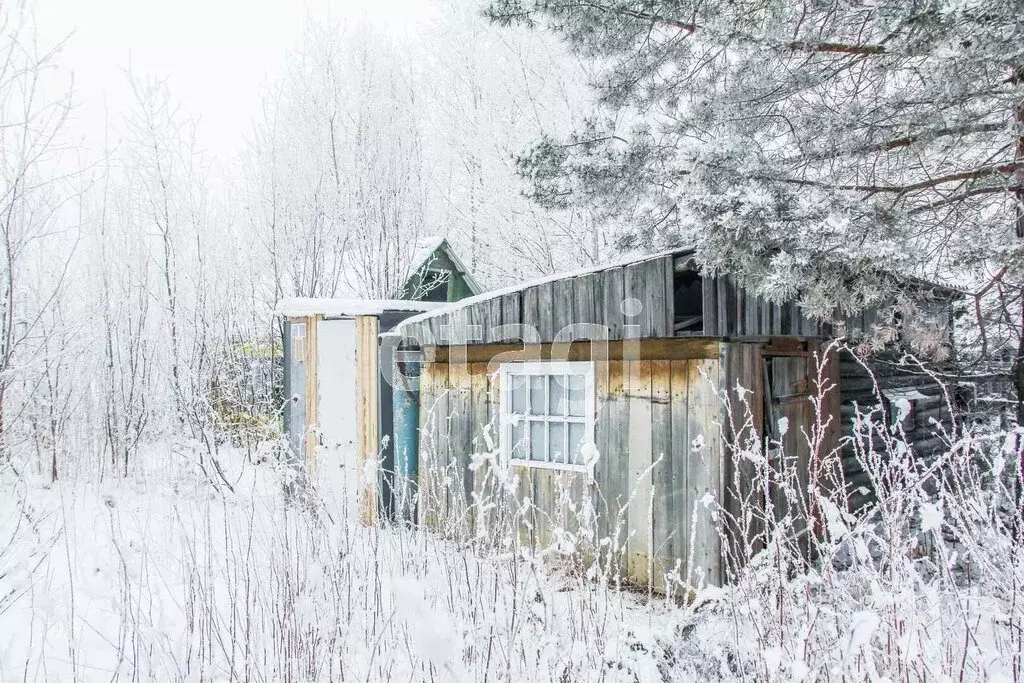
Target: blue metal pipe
x=406, y=407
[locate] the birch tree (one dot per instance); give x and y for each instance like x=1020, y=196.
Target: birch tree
x=490, y=92
x=337, y=188
x=34, y=193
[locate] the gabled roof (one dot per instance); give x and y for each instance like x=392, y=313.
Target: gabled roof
x=425, y=250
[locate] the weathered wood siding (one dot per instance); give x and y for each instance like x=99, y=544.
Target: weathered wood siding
x=550, y=308
x=731, y=311
x=782, y=381
x=312, y=396
x=594, y=298
x=649, y=487
x=863, y=389
x=368, y=440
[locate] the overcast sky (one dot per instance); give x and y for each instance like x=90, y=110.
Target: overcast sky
x=217, y=54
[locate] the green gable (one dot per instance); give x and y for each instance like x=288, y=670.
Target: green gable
x=438, y=275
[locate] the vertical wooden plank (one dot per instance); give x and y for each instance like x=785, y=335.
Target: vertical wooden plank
x=434, y=448
x=743, y=368
x=585, y=288
x=633, y=287
x=639, y=459
x=493, y=321
x=545, y=311
x=722, y=305
x=704, y=474
x=427, y=429
x=753, y=310
x=602, y=488
x=740, y=310
x=614, y=461
x=511, y=310
x=562, y=314
x=445, y=452
x=460, y=320
x=312, y=397
x=479, y=398
x=526, y=506
x=657, y=295
x=545, y=500
x=460, y=433
x=682, y=501
x=709, y=305
x=511, y=313
x=663, y=521
x=735, y=306
x=669, y=275
x=650, y=283
x=531, y=308
x=830, y=357
x=613, y=293
x=638, y=286
x=438, y=329
x=366, y=402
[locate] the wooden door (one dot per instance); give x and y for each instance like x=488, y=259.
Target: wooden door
x=788, y=415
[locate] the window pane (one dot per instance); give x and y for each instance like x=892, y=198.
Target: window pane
x=538, y=443
x=519, y=395
x=556, y=437
x=577, y=431
x=577, y=394
x=518, y=449
x=556, y=394
x=537, y=402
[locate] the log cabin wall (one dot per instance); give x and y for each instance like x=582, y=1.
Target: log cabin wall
x=875, y=388
x=647, y=483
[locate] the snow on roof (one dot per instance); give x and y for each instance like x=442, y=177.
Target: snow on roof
x=425, y=249
x=300, y=306
x=486, y=296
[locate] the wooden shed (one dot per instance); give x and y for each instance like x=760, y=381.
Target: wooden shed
x=335, y=413
x=605, y=385
x=340, y=412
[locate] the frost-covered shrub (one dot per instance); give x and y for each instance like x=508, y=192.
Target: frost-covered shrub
x=161, y=575
x=922, y=584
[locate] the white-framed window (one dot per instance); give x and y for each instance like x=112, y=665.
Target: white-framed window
x=547, y=413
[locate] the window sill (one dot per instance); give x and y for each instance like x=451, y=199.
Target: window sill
x=558, y=466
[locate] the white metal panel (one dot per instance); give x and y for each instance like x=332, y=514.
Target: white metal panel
x=337, y=374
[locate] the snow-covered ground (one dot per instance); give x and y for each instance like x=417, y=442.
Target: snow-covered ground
x=170, y=580
x=177, y=582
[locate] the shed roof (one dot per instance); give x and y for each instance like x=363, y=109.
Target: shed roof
x=454, y=307
x=301, y=306
x=495, y=293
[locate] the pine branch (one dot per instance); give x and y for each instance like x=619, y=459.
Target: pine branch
x=836, y=48
x=643, y=16
x=906, y=141
x=980, y=172
x=960, y=196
